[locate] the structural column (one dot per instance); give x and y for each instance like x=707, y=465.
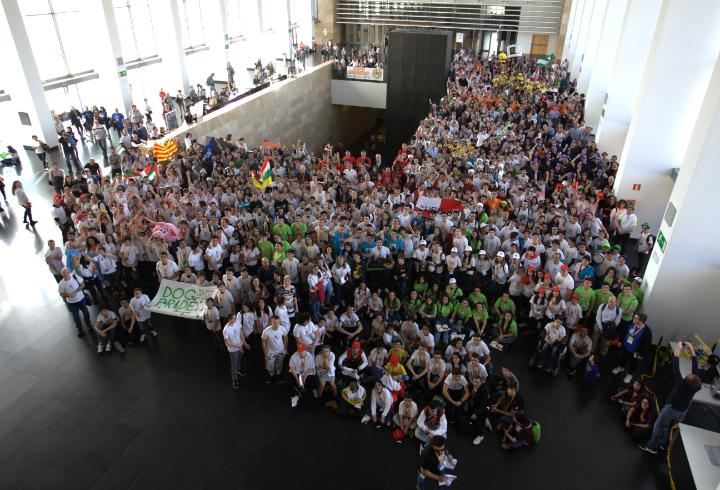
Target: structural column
x=569, y=29
x=681, y=281
x=172, y=45
x=575, y=33
x=623, y=88
x=591, y=47
x=111, y=67
x=27, y=86
x=604, y=65
x=674, y=83
x=582, y=36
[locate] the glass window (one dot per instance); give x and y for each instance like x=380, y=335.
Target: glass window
x=137, y=36
x=45, y=46
x=232, y=16
x=191, y=23
x=34, y=7
x=79, y=52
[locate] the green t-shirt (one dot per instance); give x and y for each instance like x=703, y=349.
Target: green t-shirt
x=463, y=312
x=444, y=310
x=481, y=316
x=512, y=329
x=299, y=228
x=601, y=298
x=477, y=298
x=638, y=293
x=392, y=304
x=278, y=257
x=421, y=287
x=283, y=230
x=267, y=249
x=413, y=305
x=625, y=302
x=505, y=306
x=586, y=297
x=453, y=294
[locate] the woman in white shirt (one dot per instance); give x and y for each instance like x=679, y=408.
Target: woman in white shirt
x=24, y=201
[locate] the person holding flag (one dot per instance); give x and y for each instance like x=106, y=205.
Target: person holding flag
x=262, y=178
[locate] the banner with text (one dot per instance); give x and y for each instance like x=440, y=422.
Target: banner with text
x=362, y=73
x=181, y=299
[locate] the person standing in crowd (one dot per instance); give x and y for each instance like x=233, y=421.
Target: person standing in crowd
x=141, y=315
x=235, y=343
x=24, y=201
x=40, y=148
x=71, y=288
x=678, y=401
x=274, y=344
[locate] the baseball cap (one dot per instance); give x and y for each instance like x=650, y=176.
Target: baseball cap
x=468, y=248
x=564, y=267
x=516, y=256
x=637, y=279
x=645, y=225
x=453, y=250
x=556, y=288
x=501, y=254
x=482, y=252
x=452, y=280
x=423, y=242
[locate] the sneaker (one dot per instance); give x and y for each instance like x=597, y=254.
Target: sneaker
x=478, y=440
x=100, y=349
x=294, y=401
x=119, y=347
x=647, y=449
x=154, y=333
x=142, y=338
x=627, y=378
x=235, y=385
x=108, y=347
x=618, y=370
x=365, y=419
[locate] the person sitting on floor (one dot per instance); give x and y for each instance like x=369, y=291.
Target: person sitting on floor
x=518, y=434
x=352, y=400
x=405, y=419
x=640, y=418
x=431, y=422
x=628, y=397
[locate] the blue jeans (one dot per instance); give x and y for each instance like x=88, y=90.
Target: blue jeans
x=661, y=430
x=145, y=326
x=549, y=353
x=76, y=309
x=108, y=339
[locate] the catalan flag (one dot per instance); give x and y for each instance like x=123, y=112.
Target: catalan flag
x=164, y=151
x=263, y=177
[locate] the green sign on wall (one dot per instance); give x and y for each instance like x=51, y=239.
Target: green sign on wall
x=662, y=241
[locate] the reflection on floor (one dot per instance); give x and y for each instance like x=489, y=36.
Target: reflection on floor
x=165, y=416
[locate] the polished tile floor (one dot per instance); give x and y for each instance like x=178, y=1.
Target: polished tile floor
x=165, y=416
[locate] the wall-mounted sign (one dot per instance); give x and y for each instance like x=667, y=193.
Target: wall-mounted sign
x=459, y=37
x=661, y=241
x=362, y=73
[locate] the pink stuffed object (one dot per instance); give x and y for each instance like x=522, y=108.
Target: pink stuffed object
x=166, y=231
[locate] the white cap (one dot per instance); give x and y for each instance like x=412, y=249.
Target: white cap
x=482, y=252
x=468, y=248
x=637, y=279
x=423, y=242
x=483, y=225
x=452, y=280
x=453, y=250
x=501, y=254
x=516, y=256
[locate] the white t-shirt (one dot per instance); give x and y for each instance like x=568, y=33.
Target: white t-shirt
x=233, y=333
x=168, y=270
x=304, y=333
x=303, y=365
x=481, y=348
x=554, y=334
x=452, y=384
x=320, y=365
x=55, y=257
x=274, y=340
x=138, y=306
x=212, y=318
x=70, y=285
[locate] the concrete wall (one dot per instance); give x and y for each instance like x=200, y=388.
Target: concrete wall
x=298, y=108
x=360, y=94
x=326, y=29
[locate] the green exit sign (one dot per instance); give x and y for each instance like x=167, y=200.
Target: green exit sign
x=227, y=46
x=122, y=73
x=661, y=241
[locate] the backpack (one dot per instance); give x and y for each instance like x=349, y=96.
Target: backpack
x=535, y=429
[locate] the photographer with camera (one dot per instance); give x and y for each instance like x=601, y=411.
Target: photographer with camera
x=678, y=402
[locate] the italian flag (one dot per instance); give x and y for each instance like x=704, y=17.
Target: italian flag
x=151, y=173
x=263, y=177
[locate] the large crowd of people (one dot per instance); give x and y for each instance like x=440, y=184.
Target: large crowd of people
x=382, y=287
